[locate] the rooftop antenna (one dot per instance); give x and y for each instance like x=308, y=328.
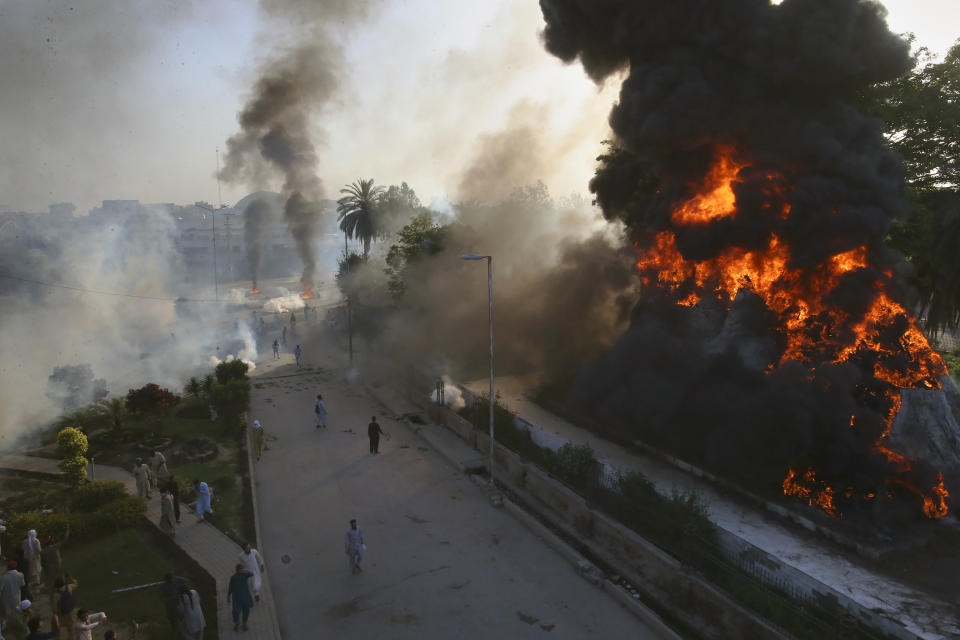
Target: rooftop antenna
x=219, y=196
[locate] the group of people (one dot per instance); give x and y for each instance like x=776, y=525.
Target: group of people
x=42, y=567
x=155, y=477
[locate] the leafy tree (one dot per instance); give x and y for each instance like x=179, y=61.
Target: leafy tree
x=152, y=401
x=193, y=387
x=357, y=211
x=231, y=370
x=206, y=385
x=921, y=112
x=421, y=237
x=72, y=448
x=396, y=206
x=73, y=386
x=231, y=399
x=347, y=268
x=85, y=418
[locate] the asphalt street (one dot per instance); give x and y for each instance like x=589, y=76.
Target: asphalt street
x=441, y=562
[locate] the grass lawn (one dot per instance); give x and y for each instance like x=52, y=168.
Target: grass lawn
x=129, y=558
x=227, y=475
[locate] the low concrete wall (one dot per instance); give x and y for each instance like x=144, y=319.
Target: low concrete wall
x=676, y=590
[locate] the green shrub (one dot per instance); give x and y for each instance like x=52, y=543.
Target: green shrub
x=92, y=495
x=232, y=370
x=193, y=411
x=122, y=513
x=73, y=469
x=71, y=443
x=46, y=524
x=577, y=466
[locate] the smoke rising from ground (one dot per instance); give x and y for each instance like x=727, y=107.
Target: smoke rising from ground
x=276, y=136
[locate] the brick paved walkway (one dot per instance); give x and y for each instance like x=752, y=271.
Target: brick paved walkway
x=213, y=551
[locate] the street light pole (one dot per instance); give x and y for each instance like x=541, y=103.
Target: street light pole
x=213, y=232
x=489, y=259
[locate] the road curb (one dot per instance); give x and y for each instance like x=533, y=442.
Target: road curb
x=264, y=576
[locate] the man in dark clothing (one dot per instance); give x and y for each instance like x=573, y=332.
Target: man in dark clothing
x=171, y=487
x=374, y=431
x=238, y=594
x=169, y=593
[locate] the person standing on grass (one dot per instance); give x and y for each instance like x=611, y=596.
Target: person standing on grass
x=36, y=632
x=258, y=437
x=173, y=489
x=202, y=492
x=66, y=604
x=142, y=473
x=169, y=592
x=320, y=410
x=253, y=561
x=238, y=595
x=353, y=546
x=374, y=432
x=31, y=549
x=296, y=354
x=192, y=622
x=10, y=585
x=50, y=558
x=87, y=622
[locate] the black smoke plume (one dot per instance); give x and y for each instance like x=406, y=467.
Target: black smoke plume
x=778, y=85
x=276, y=135
x=255, y=218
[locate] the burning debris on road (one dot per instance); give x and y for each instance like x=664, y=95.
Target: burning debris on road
x=770, y=343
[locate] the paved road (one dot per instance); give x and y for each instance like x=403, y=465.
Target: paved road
x=441, y=563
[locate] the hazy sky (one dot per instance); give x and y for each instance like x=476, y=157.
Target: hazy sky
x=104, y=100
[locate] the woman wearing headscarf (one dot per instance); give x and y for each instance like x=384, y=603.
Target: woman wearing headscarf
x=191, y=615
x=31, y=555
x=257, y=438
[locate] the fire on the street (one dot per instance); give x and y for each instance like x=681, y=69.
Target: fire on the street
x=815, y=329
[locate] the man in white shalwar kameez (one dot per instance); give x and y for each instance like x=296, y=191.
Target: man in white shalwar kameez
x=142, y=473
x=253, y=561
x=353, y=546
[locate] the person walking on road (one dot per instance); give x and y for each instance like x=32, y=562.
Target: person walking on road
x=296, y=354
x=258, y=436
x=238, y=595
x=353, y=546
x=202, y=492
x=374, y=431
x=253, y=561
x=276, y=349
x=320, y=410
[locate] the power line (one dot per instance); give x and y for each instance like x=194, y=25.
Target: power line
x=102, y=293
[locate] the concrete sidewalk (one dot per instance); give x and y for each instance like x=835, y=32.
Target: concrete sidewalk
x=211, y=549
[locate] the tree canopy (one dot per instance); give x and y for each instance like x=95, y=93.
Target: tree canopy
x=356, y=211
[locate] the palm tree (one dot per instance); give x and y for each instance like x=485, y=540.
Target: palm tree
x=116, y=410
x=356, y=211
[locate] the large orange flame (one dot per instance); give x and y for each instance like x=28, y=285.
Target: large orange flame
x=814, y=331
x=307, y=289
